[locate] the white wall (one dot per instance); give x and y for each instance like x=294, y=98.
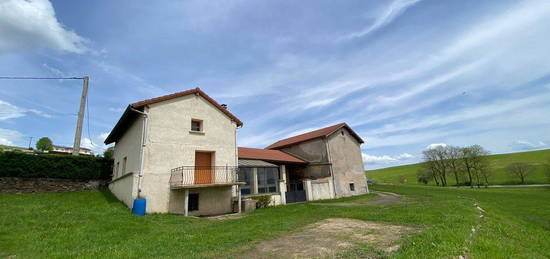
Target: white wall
x=347, y=164
x=170, y=144
x=125, y=188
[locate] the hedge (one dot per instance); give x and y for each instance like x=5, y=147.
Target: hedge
x=16, y=164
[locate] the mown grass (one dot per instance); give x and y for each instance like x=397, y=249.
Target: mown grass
x=94, y=224
x=498, y=165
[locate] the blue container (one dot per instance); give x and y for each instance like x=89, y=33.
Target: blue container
x=139, y=207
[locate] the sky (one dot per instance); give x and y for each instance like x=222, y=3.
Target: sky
x=406, y=75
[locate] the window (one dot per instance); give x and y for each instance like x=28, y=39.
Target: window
x=245, y=175
x=196, y=125
x=124, y=165
x=193, y=202
x=267, y=179
x=352, y=187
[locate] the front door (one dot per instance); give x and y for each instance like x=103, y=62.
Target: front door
x=203, y=168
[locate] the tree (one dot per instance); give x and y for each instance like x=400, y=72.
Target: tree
x=424, y=176
x=453, y=160
x=521, y=170
x=108, y=153
x=44, y=144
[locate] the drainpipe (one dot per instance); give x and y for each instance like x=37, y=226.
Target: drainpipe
x=142, y=152
x=236, y=176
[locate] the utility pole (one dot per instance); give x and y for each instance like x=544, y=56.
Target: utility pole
x=30, y=141
x=80, y=120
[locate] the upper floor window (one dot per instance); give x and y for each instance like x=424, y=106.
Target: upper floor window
x=196, y=125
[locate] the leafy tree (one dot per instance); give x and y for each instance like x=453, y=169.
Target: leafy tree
x=521, y=170
x=424, y=176
x=108, y=153
x=44, y=144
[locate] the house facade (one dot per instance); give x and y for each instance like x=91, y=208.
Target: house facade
x=69, y=150
x=179, y=152
x=322, y=164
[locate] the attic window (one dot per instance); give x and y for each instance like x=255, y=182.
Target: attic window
x=196, y=125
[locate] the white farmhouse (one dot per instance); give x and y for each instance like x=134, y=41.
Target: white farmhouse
x=179, y=152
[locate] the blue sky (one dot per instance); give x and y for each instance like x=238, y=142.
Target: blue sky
x=405, y=74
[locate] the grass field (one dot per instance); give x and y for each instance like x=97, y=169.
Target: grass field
x=498, y=168
x=94, y=224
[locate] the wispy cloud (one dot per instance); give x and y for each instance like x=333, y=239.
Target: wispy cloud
x=394, y=10
x=385, y=159
x=31, y=24
x=10, y=137
x=10, y=111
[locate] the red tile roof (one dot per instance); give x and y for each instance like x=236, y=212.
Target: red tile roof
x=184, y=93
x=129, y=115
x=324, y=132
x=268, y=155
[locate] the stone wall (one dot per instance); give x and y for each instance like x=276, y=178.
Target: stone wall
x=43, y=185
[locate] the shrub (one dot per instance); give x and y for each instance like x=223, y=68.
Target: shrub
x=402, y=179
x=23, y=165
x=262, y=201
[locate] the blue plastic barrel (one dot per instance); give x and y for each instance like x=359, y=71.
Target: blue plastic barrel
x=139, y=207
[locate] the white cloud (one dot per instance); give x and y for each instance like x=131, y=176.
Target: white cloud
x=10, y=111
x=527, y=145
x=385, y=159
x=404, y=156
x=10, y=137
x=393, y=11
x=97, y=146
x=436, y=145
x=33, y=23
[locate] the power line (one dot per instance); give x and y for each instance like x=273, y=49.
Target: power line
x=38, y=78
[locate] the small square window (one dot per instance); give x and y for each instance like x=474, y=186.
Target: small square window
x=352, y=187
x=196, y=125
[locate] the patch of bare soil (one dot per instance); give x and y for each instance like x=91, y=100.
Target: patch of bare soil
x=383, y=198
x=226, y=216
x=329, y=237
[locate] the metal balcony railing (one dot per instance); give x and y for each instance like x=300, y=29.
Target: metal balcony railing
x=202, y=175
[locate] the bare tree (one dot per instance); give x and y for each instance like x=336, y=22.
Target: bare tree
x=467, y=154
x=521, y=170
x=454, y=156
x=435, y=162
x=475, y=165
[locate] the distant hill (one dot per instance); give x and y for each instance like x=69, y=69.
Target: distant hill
x=498, y=165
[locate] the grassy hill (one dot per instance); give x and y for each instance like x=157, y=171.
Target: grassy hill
x=498, y=165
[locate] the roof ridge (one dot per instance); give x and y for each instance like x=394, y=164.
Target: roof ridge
x=322, y=132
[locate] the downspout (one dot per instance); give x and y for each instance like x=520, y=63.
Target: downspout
x=142, y=149
x=236, y=175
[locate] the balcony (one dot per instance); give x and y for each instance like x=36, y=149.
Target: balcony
x=203, y=176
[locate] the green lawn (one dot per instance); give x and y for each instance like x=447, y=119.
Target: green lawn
x=498, y=168
x=94, y=224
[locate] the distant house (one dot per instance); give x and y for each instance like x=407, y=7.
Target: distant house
x=180, y=153
x=69, y=150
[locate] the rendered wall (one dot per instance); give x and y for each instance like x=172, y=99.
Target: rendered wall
x=129, y=146
x=347, y=164
x=125, y=188
x=170, y=144
x=212, y=201
x=315, y=153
